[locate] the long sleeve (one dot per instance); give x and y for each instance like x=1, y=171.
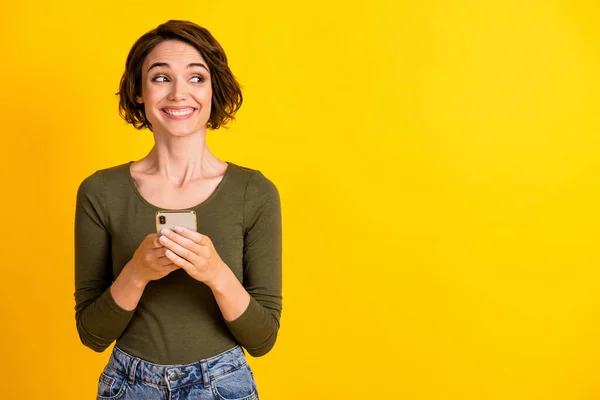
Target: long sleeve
x=99, y=319
x=256, y=329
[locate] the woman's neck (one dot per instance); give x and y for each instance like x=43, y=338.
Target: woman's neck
x=181, y=159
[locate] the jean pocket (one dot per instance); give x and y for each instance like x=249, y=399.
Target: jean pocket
x=110, y=384
x=235, y=385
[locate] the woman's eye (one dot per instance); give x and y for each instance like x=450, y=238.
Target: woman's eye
x=160, y=78
x=197, y=79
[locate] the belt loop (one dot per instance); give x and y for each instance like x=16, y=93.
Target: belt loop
x=205, y=377
x=132, y=369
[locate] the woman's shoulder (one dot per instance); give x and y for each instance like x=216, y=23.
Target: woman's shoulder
x=250, y=177
x=108, y=176
x=257, y=188
x=240, y=170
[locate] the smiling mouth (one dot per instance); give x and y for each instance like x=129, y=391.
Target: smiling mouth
x=180, y=112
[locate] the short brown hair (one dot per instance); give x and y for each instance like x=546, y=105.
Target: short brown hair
x=226, y=91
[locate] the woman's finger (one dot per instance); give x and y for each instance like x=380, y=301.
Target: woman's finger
x=194, y=236
x=179, y=261
x=153, y=241
x=158, y=253
x=163, y=261
x=178, y=249
x=180, y=240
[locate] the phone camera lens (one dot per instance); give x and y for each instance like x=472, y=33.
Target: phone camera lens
x=162, y=220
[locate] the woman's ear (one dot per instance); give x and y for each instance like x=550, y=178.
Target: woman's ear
x=139, y=99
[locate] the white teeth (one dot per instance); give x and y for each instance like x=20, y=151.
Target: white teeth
x=187, y=111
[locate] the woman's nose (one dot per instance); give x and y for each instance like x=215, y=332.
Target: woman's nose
x=177, y=92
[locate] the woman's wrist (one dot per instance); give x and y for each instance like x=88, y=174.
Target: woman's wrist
x=231, y=296
x=222, y=279
x=131, y=277
x=127, y=289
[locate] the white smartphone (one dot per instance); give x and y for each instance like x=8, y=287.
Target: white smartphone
x=170, y=219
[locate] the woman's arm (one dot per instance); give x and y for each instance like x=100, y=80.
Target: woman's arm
x=257, y=326
x=99, y=319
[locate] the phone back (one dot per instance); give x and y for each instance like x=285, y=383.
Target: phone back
x=171, y=219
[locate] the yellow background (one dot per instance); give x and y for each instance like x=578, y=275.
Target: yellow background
x=438, y=168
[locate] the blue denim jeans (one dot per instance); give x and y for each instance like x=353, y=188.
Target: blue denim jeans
x=226, y=376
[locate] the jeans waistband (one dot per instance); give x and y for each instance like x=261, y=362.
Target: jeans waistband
x=173, y=376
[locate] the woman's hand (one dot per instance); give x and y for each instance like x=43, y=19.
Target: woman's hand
x=149, y=262
x=194, y=253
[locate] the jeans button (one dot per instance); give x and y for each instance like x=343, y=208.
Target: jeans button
x=173, y=376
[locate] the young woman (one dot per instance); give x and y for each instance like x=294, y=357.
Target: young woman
x=183, y=305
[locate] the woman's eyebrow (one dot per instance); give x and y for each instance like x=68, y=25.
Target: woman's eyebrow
x=164, y=64
x=197, y=65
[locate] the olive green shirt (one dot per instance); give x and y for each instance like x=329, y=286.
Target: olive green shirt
x=177, y=320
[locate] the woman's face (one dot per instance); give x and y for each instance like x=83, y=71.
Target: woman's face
x=176, y=89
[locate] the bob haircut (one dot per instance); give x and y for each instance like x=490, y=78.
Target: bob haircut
x=226, y=92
